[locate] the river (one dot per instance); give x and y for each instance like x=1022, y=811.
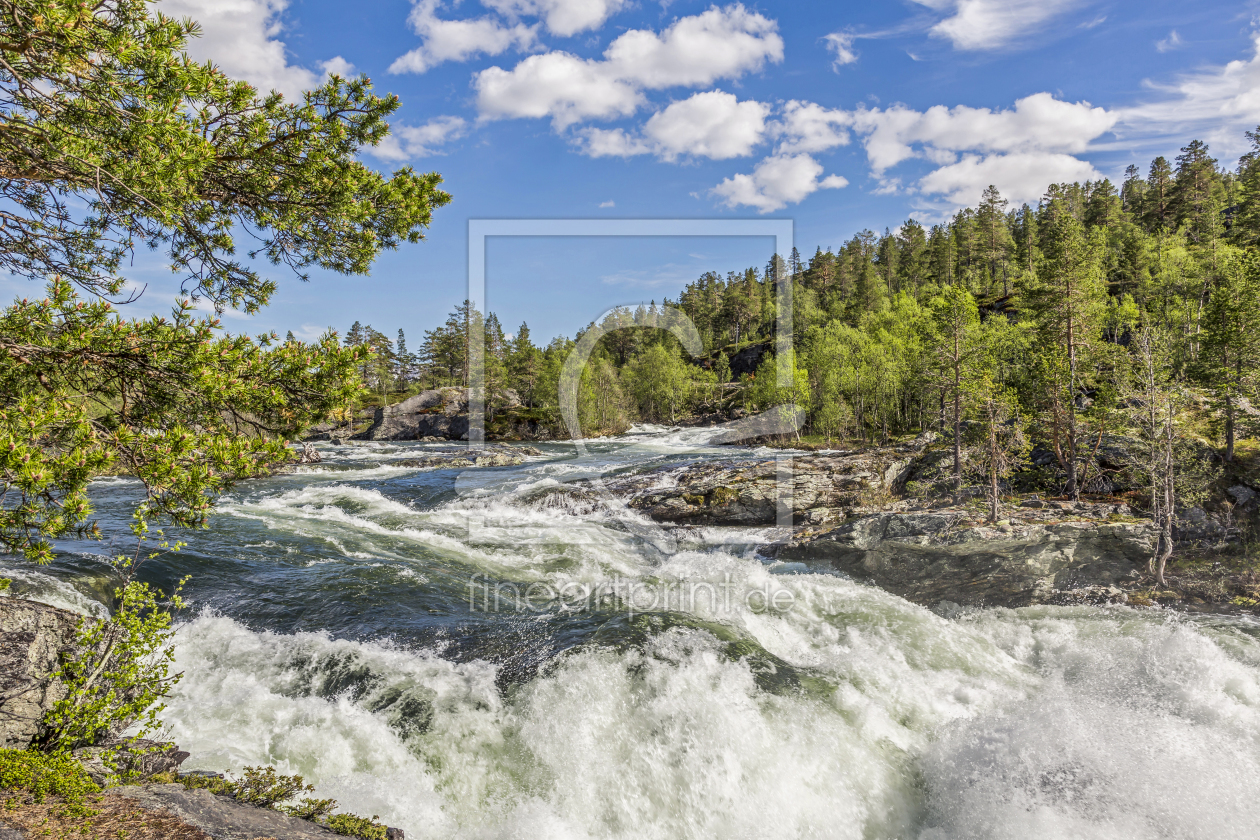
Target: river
x=344, y=626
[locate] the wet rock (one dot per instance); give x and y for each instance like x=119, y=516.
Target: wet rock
x=494, y=456
x=1089, y=596
x=928, y=557
x=33, y=638
x=745, y=492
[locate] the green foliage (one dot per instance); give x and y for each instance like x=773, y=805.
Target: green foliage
x=263, y=787
x=352, y=826
x=112, y=138
x=310, y=809
x=218, y=785
x=120, y=674
x=660, y=383
x=100, y=106
x=41, y=774
x=173, y=402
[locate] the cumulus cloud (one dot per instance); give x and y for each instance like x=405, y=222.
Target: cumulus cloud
x=611, y=142
x=712, y=124
x=841, y=45
x=564, y=87
x=776, y=182
x=809, y=127
x=992, y=24
x=562, y=17
x=1036, y=123
x=242, y=38
x=457, y=40
x=721, y=43
x=698, y=50
x=407, y=142
x=337, y=66
x=1022, y=176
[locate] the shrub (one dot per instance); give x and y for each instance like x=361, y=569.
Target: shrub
x=311, y=809
x=119, y=676
x=265, y=788
x=39, y=775
x=44, y=774
x=352, y=826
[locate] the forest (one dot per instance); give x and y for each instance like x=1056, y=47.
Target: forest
x=1101, y=310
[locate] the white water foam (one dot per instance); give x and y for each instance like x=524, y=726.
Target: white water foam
x=1041, y=723
x=1033, y=724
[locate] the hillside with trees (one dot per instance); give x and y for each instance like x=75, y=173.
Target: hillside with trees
x=1099, y=311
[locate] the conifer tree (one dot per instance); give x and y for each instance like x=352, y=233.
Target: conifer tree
x=1066, y=299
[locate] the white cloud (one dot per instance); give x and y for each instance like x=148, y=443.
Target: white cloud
x=1170, y=43
x=1216, y=102
x=614, y=142
x=563, y=17
x=407, y=142
x=992, y=24
x=1021, y=177
x=457, y=40
x=776, y=182
x=605, y=204
x=698, y=50
x=1036, y=123
x=241, y=37
x=694, y=51
x=712, y=124
x=337, y=66
x=809, y=127
x=841, y=43
x=558, y=85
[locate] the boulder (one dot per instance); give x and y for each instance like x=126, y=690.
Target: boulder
x=492, y=456
x=441, y=413
x=1242, y=495
x=745, y=491
x=934, y=556
x=33, y=638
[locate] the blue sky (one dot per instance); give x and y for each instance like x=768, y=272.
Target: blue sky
x=839, y=115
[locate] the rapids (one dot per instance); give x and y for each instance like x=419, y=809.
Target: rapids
x=344, y=627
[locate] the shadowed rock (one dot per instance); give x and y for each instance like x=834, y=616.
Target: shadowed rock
x=933, y=556
x=33, y=638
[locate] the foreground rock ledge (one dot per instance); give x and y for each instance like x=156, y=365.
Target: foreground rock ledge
x=929, y=557
x=222, y=817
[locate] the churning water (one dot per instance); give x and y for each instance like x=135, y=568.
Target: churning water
x=344, y=629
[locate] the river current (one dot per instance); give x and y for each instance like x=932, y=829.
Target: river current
x=344, y=626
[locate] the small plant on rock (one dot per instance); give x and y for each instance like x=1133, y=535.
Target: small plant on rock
x=351, y=826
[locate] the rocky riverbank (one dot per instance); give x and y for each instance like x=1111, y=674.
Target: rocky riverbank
x=885, y=515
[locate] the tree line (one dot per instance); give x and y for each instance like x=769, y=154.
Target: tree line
x=1099, y=310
